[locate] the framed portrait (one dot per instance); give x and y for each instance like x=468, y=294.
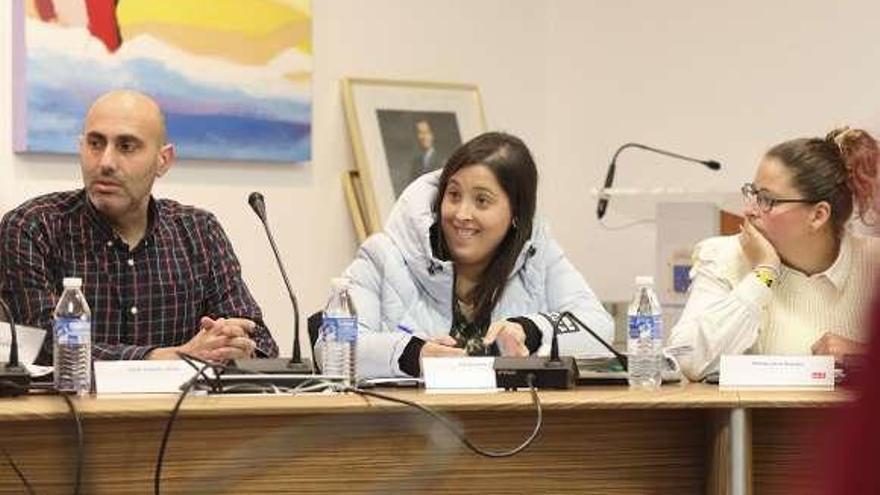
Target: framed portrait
x=403, y=129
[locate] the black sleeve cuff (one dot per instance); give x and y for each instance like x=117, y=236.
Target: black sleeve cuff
x=534, y=336
x=409, y=359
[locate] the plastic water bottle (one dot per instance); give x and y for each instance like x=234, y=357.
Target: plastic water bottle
x=339, y=332
x=72, y=354
x=645, y=340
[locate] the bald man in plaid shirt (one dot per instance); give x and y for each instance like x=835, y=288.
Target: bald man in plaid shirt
x=160, y=277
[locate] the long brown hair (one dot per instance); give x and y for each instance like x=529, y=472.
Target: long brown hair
x=512, y=165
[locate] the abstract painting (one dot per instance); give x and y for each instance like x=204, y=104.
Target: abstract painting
x=233, y=77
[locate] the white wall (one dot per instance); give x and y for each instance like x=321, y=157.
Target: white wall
x=490, y=43
x=574, y=78
x=722, y=80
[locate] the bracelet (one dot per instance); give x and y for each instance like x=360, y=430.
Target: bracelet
x=766, y=274
x=772, y=268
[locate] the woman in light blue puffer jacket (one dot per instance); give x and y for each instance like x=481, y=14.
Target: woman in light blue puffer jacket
x=461, y=268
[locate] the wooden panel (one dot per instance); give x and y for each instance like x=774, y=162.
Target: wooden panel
x=688, y=396
x=788, y=399
x=595, y=440
x=718, y=452
x=785, y=443
x=609, y=452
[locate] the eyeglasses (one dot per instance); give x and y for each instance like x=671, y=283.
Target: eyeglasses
x=764, y=201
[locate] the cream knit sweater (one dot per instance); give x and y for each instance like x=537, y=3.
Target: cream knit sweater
x=729, y=311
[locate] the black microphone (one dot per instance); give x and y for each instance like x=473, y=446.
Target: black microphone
x=296, y=364
x=14, y=378
x=258, y=204
x=609, y=177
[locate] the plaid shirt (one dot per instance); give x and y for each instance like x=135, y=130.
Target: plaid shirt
x=147, y=297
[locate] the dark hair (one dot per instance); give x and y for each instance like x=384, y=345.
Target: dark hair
x=839, y=169
x=512, y=165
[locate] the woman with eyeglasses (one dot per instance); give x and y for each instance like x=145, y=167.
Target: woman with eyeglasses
x=796, y=280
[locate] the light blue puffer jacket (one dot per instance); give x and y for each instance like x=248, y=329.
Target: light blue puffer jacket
x=396, y=280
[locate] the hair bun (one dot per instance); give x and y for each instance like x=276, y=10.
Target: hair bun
x=834, y=136
x=860, y=154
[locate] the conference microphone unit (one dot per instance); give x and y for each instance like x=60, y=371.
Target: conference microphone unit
x=296, y=365
x=552, y=371
x=14, y=378
x=512, y=373
x=602, y=205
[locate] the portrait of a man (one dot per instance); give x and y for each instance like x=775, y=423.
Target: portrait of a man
x=416, y=143
x=427, y=159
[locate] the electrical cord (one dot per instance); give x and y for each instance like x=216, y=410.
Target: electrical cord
x=216, y=384
x=80, y=448
x=18, y=472
x=322, y=385
x=9, y=459
x=186, y=388
x=79, y=443
x=459, y=434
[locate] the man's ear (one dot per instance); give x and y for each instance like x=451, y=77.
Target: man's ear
x=820, y=215
x=166, y=158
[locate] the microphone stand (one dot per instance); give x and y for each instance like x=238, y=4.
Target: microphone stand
x=604, y=197
x=296, y=365
x=622, y=359
x=14, y=378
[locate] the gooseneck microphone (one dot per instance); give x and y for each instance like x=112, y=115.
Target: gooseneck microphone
x=554, y=349
x=296, y=364
x=14, y=378
x=609, y=177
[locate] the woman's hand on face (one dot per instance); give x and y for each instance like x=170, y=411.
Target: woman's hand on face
x=756, y=247
x=510, y=337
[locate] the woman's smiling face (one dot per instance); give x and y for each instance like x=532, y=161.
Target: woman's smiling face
x=475, y=216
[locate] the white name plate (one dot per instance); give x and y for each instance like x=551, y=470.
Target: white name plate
x=141, y=377
x=777, y=372
x=459, y=374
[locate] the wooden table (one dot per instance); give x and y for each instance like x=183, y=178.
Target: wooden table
x=691, y=438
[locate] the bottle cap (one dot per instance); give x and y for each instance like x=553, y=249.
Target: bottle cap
x=72, y=282
x=644, y=280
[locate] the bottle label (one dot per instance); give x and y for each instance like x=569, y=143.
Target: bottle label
x=645, y=323
x=343, y=327
x=72, y=331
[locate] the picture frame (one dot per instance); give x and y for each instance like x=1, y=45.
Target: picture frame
x=401, y=129
x=354, y=197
